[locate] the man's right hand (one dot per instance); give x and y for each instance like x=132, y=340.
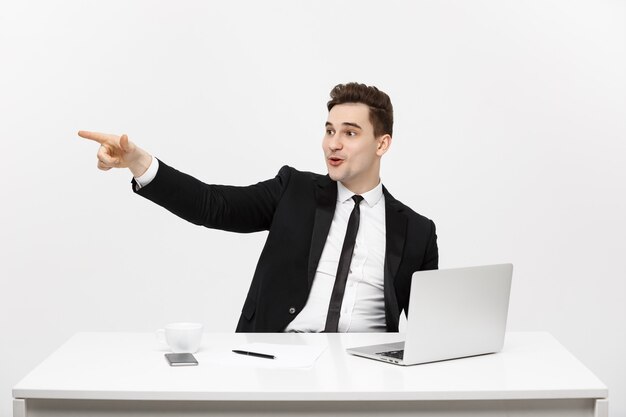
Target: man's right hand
x=119, y=152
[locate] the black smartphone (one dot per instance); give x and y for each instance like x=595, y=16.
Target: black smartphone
x=181, y=359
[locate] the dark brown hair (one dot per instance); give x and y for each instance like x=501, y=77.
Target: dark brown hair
x=379, y=103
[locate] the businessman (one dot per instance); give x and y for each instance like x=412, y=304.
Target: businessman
x=340, y=250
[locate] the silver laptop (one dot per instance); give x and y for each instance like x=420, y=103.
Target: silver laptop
x=453, y=313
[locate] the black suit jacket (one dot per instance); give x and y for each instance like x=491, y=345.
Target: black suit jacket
x=297, y=209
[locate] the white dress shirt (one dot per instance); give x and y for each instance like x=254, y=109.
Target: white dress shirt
x=363, y=306
x=149, y=175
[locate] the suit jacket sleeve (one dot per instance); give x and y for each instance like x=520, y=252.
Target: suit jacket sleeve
x=231, y=208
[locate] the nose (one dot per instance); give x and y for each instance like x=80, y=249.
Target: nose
x=334, y=143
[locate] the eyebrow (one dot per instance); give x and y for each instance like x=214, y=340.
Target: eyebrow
x=345, y=124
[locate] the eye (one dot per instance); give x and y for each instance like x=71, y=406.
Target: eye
x=330, y=132
x=351, y=133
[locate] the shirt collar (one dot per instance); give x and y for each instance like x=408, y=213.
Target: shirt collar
x=372, y=197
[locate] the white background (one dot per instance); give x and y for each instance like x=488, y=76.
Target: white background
x=510, y=134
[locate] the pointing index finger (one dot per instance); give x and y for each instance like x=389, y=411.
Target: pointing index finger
x=101, y=138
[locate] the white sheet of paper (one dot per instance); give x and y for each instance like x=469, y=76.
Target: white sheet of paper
x=287, y=356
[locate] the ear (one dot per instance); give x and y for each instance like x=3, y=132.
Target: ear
x=384, y=142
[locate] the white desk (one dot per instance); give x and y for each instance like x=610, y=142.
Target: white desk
x=124, y=374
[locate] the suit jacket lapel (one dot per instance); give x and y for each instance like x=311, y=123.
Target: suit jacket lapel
x=395, y=222
x=326, y=200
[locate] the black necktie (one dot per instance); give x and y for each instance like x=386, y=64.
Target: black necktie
x=334, y=308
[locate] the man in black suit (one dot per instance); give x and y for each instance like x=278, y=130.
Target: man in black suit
x=311, y=275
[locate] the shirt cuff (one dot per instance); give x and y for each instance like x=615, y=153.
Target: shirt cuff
x=149, y=175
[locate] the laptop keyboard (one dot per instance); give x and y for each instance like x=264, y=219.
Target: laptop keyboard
x=397, y=354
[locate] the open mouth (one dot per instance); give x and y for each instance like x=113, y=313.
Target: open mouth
x=334, y=161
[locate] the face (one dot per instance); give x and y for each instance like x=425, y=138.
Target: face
x=351, y=150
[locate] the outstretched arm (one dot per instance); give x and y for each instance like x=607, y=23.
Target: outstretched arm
x=238, y=209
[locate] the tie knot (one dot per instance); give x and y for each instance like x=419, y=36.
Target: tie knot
x=357, y=199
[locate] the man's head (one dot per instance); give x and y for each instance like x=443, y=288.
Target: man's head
x=358, y=133
x=379, y=103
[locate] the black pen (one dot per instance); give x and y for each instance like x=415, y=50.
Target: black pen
x=258, y=355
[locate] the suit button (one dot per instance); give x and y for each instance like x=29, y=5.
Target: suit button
x=292, y=310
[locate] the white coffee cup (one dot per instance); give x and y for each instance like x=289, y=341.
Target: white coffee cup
x=181, y=337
